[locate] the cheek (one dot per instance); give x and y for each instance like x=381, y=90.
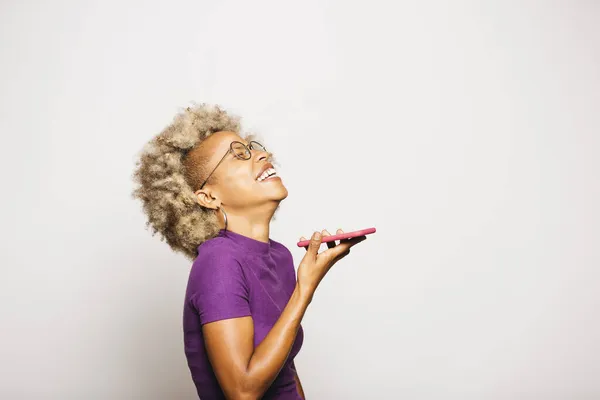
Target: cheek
x=239, y=183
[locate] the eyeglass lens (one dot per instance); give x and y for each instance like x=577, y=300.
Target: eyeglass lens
x=242, y=151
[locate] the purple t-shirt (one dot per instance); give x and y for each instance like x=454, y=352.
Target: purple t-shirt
x=237, y=276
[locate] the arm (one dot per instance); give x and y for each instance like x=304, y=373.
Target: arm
x=245, y=372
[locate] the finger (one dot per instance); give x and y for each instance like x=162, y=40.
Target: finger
x=315, y=243
x=343, y=249
x=302, y=239
x=339, y=232
x=355, y=240
x=329, y=244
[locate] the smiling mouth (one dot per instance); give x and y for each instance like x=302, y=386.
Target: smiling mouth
x=268, y=173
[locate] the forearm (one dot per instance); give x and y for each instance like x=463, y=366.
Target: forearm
x=269, y=356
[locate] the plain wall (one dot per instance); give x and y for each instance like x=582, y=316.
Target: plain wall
x=466, y=132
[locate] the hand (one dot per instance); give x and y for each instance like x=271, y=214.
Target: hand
x=315, y=265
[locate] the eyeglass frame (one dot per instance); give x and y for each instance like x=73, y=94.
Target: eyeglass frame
x=248, y=148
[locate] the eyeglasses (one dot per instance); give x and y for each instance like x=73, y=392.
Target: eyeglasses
x=239, y=150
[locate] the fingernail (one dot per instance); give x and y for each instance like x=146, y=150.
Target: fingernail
x=317, y=235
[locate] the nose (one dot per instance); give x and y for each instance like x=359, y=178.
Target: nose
x=262, y=155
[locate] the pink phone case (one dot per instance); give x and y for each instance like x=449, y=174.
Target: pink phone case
x=345, y=235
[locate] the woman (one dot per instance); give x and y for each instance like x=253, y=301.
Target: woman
x=211, y=195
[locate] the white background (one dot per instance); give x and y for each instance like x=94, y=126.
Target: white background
x=467, y=133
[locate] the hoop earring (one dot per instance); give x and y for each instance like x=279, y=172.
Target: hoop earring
x=224, y=216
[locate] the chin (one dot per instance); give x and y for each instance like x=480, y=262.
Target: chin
x=285, y=194
x=277, y=190
x=282, y=194
x=273, y=191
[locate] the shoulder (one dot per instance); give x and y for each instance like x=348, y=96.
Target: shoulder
x=217, y=287
x=217, y=245
x=216, y=258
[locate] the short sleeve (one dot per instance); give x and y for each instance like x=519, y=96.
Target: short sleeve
x=217, y=287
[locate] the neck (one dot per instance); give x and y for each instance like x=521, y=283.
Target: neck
x=254, y=224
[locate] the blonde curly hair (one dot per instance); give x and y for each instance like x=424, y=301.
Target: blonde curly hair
x=165, y=178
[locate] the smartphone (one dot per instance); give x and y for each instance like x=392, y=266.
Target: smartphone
x=345, y=235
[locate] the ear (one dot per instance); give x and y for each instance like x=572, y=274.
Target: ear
x=206, y=198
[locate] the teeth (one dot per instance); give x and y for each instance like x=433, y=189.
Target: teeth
x=269, y=172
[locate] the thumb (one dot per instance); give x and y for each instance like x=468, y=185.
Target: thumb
x=315, y=243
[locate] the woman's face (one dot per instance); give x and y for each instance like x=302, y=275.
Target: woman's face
x=238, y=183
